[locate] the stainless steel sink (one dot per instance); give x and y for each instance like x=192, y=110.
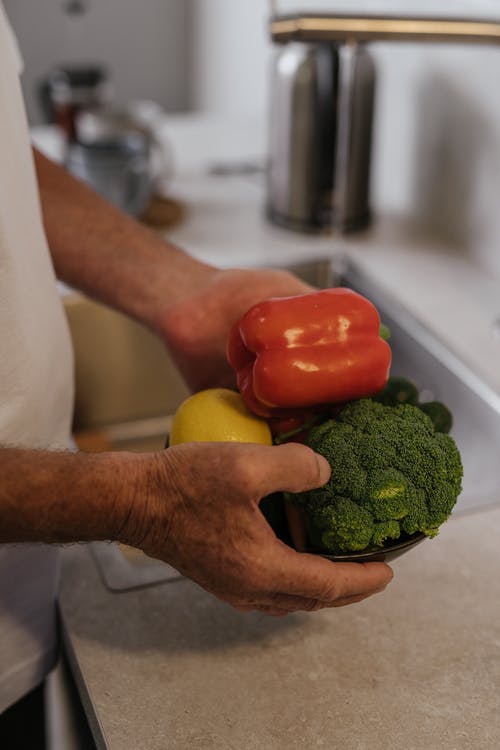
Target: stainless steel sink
x=439, y=374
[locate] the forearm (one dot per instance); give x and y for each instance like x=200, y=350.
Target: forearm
x=65, y=497
x=100, y=250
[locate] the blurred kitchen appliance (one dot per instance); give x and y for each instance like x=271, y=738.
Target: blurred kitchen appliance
x=113, y=154
x=120, y=154
x=68, y=90
x=322, y=99
x=117, y=167
x=320, y=138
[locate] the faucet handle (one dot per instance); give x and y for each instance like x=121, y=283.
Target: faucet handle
x=357, y=28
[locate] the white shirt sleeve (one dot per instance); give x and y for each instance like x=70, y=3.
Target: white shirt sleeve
x=12, y=40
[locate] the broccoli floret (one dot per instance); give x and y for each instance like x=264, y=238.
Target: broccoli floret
x=398, y=390
x=388, y=495
x=440, y=415
x=342, y=524
x=384, y=531
x=392, y=474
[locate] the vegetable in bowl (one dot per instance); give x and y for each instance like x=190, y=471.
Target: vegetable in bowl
x=394, y=475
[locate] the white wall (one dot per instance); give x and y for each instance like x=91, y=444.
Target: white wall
x=141, y=42
x=229, y=53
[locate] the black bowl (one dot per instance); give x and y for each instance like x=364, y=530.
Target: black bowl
x=380, y=554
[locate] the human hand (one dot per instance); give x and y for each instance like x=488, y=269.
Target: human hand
x=195, y=330
x=201, y=514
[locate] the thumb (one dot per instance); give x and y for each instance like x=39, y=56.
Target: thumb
x=291, y=467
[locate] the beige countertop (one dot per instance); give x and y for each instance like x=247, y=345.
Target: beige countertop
x=417, y=667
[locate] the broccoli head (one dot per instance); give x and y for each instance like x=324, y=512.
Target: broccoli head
x=392, y=474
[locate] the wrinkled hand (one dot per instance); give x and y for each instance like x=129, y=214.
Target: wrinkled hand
x=195, y=330
x=202, y=516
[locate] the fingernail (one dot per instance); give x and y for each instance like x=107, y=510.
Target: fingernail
x=324, y=469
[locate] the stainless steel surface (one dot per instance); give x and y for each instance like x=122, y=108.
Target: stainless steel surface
x=117, y=167
x=138, y=118
x=351, y=176
x=356, y=28
x=295, y=156
x=439, y=374
x=320, y=136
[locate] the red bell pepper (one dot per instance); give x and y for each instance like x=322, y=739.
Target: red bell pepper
x=312, y=349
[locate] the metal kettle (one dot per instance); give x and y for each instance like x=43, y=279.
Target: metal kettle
x=321, y=111
x=320, y=136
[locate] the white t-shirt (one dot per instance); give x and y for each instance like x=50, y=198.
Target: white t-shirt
x=36, y=383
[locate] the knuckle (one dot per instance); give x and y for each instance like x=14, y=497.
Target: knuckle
x=329, y=593
x=246, y=473
x=310, y=468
